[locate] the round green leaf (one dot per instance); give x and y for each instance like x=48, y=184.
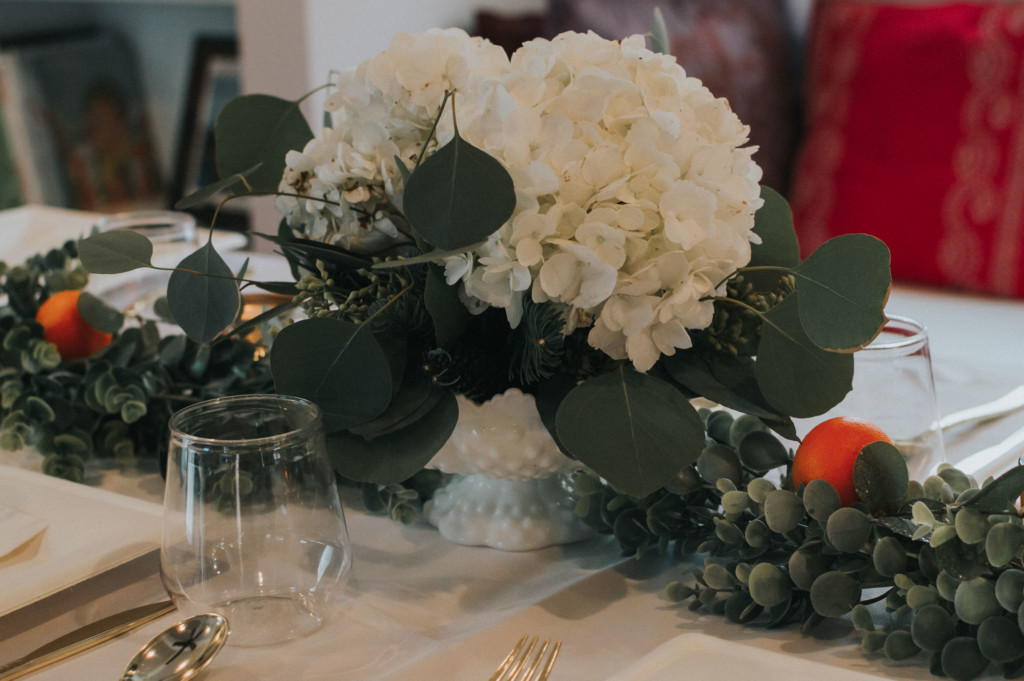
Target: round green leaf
x=806, y=564
x=932, y=627
x=821, y=499
x=1010, y=589
x=336, y=364
x=98, y=314
x=447, y=312
x=636, y=431
x=834, y=593
x=1000, y=639
x=398, y=455
x=259, y=130
x=971, y=526
x=769, y=585
x=760, y=451
x=899, y=645
x=975, y=600
x=717, y=462
x=848, y=529
x=962, y=659
x=889, y=557
x=797, y=377
x=773, y=222
x=114, y=252
x=458, y=196
x=880, y=474
x=202, y=294
x=843, y=287
x=783, y=511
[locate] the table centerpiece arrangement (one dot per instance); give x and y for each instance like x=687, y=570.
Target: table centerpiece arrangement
x=581, y=223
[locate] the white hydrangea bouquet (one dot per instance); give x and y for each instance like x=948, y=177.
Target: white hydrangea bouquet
x=581, y=221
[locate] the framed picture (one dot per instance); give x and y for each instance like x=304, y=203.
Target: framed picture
x=214, y=82
x=76, y=120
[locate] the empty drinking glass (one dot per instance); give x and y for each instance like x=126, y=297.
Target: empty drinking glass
x=253, y=527
x=893, y=388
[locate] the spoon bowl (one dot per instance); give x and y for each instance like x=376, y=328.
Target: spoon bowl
x=179, y=652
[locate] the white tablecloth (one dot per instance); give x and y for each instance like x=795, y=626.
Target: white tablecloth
x=418, y=607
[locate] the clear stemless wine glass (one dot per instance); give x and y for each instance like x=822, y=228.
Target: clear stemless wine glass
x=253, y=527
x=893, y=387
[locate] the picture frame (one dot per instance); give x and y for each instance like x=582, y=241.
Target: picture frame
x=77, y=124
x=214, y=80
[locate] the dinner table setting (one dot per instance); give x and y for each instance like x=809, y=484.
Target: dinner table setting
x=518, y=563
x=418, y=606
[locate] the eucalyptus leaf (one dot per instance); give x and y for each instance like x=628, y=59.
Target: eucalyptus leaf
x=636, y=431
x=449, y=315
x=1000, y=494
x=843, y=287
x=114, y=252
x=548, y=397
x=98, y=314
x=760, y=451
x=796, y=376
x=338, y=365
x=773, y=222
x=723, y=379
x=317, y=250
x=210, y=191
x=880, y=474
x=834, y=594
x=959, y=560
x=403, y=169
x=259, y=130
x=202, y=294
x=458, y=196
x=397, y=456
x=284, y=288
x=417, y=396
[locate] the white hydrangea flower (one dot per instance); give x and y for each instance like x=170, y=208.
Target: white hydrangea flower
x=635, y=195
x=348, y=183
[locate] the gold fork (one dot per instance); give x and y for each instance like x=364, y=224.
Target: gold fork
x=515, y=668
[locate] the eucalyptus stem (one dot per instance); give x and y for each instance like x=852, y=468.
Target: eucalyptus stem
x=752, y=268
x=433, y=127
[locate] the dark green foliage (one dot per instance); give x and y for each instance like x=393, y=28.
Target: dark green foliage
x=115, y=404
x=776, y=557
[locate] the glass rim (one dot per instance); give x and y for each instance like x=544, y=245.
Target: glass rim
x=314, y=423
x=917, y=334
x=159, y=225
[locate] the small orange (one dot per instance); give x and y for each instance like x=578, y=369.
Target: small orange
x=64, y=327
x=829, y=451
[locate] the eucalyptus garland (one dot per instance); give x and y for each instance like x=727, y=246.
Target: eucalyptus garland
x=115, y=404
x=930, y=569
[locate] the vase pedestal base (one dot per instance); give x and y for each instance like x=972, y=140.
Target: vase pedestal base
x=512, y=515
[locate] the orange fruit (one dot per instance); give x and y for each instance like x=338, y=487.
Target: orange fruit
x=829, y=451
x=64, y=327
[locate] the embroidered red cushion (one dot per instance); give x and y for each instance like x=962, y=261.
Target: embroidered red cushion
x=915, y=134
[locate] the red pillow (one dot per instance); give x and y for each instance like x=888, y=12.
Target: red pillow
x=915, y=134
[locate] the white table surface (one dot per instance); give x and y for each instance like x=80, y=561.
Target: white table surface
x=418, y=607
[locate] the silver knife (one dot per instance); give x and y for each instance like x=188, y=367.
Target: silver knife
x=84, y=638
x=983, y=412
x=991, y=460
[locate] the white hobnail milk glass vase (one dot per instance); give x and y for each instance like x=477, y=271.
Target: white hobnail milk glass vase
x=510, y=486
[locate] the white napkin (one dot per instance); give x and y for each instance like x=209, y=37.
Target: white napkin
x=16, y=528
